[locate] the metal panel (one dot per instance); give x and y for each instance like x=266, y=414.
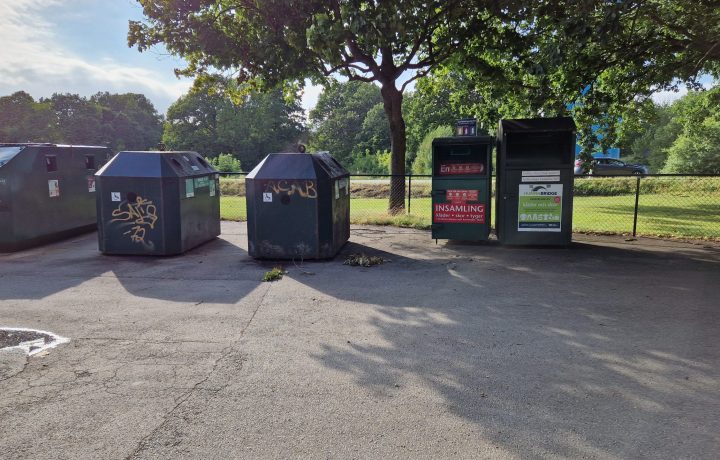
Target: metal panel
x=535, y=181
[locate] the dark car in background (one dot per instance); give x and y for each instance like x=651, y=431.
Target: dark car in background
x=611, y=167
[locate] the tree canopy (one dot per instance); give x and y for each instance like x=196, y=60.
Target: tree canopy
x=534, y=57
x=120, y=121
x=248, y=128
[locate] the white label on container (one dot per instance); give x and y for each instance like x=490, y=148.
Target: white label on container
x=195, y=168
x=541, y=179
x=54, y=188
x=115, y=196
x=553, y=172
x=267, y=197
x=337, y=190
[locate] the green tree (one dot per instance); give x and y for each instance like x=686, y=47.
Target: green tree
x=248, y=128
x=337, y=119
x=646, y=131
x=374, y=135
x=24, y=120
x=697, y=148
x=128, y=121
x=191, y=122
x=77, y=120
x=423, y=161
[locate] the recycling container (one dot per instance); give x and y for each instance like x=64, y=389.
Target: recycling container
x=535, y=181
x=47, y=192
x=157, y=203
x=461, y=175
x=298, y=206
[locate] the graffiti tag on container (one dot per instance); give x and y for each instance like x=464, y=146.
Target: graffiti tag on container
x=140, y=215
x=305, y=189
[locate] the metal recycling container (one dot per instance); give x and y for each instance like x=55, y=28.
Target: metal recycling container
x=47, y=192
x=535, y=181
x=298, y=206
x=157, y=203
x=461, y=196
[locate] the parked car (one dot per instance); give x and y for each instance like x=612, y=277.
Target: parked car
x=612, y=167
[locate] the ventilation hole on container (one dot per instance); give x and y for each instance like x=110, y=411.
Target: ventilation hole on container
x=285, y=199
x=132, y=197
x=177, y=163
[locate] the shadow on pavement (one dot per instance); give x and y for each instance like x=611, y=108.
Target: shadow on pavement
x=218, y=272
x=589, y=351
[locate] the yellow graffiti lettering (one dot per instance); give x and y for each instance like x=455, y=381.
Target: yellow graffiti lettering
x=142, y=213
x=305, y=189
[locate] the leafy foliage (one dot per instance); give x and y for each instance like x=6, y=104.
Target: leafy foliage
x=212, y=123
x=120, y=121
x=423, y=160
x=225, y=162
x=338, y=119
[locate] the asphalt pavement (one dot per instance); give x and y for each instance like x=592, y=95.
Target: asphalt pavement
x=606, y=349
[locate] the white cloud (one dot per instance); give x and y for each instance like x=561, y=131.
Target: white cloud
x=310, y=96
x=34, y=61
x=667, y=97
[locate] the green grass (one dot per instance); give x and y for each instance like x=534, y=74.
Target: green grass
x=659, y=215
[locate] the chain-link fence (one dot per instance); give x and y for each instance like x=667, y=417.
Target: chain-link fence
x=686, y=206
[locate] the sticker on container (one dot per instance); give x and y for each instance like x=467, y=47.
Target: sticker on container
x=195, y=168
x=461, y=196
x=115, y=196
x=212, y=187
x=91, y=184
x=189, y=188
x=549, y=172
x=540, y=207
x=54, y=188
x=450, y=169
x=459, y=213
x=337, y=190
x=541, y=179
x=267, y=197
x=202, y=182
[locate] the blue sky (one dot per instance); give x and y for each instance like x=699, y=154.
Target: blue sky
x=80, y=46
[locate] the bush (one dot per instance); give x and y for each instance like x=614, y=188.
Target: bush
x=225, y=162
x=232, y=187
x=369, y=163
x=613, y=186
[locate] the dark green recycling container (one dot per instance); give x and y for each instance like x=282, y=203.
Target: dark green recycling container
x=461, y=195
x=535, y=181
x=157, y=203
x=298, y=207
x=47, y=192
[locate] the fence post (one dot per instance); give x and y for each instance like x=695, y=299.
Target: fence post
x=637, y=200
x=409, y=190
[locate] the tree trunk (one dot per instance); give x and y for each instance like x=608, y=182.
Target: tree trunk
x=392, y=102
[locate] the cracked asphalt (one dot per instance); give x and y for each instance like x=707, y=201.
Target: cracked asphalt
x=606, y=349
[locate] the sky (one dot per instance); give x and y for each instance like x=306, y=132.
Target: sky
x=80, y=46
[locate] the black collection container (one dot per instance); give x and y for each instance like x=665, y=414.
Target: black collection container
x=47, y=192
x=535, y=181
x=157, y=203
x=298, y=206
